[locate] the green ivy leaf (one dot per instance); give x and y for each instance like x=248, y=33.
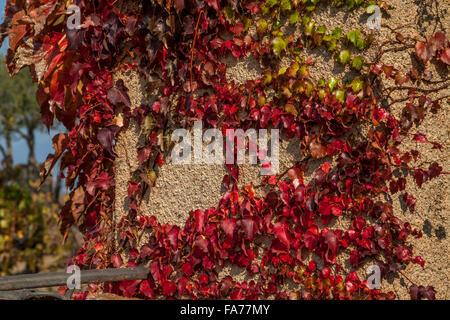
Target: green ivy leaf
x=353, y=36
x=332, y=45
x=247, y=23
x=279, y=44
x=229, y=13
x=306, y=19
x=344, y=57
x=357, y=85
x=340, y=95
x=262, y=100
x=261, y=26
x=371, y=8
x=282, y=71
x=309, y=89
x=327, y=38
x=268, y=77
x=264, y=10
x=360, y=44
x=286, y=5
x=350, y=3
x=357, y=63
x=321, y=93
x=332, y=83
x=304, y=71
x=287, y=92
x=321, y=82
x=321, y=30
x=271, y=3
x=336, y=34
x=296, y=52
x=294, y=17
x=293, y=69
x=311, y=4
x=309, y=28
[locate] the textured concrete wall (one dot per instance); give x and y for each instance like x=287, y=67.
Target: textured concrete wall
x=181, y=188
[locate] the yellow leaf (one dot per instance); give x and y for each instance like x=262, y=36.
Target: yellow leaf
x=118, y=120
x=60, y=19
x=80, y=87
x=290, y=108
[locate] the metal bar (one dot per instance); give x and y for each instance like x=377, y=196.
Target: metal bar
x=30, y=295
x=44, y=280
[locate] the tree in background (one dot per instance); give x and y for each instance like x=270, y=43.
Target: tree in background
x=29, y=232
x=6, y=129
x=19, y=113
x=20, y=118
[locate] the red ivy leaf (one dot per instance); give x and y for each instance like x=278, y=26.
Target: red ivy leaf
x=423, y=51
x=225, y=285
x=132, y=188
x=106, y=137
x=237, y=294
x=169, y=288
x=434, y=170
x=118, y=94
x=250, y=228
x=155, y=271
x=146, y=289
x=419, y=260
x=172, y=236
x=199, y=217
x=187, y=269
x=420, y=137
x=128, y=287
x=214, y=4
x=179, y=5
x=117, y=261
x=420, y=176
x=445, y=56
x=228, y=226
x=410, y=200
x=317, y=150
x=281, y=232
x=311, y=237
x=332, y=241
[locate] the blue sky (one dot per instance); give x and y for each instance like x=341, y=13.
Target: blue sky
x=43, y=139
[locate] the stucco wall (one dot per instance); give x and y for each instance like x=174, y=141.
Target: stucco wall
x=181, y=188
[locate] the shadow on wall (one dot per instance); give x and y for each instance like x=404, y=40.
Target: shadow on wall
x=429, y=17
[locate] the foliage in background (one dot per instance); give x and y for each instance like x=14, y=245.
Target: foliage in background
x=29, y=237
x=19, y=113
x=29, y=241
x=176, y=46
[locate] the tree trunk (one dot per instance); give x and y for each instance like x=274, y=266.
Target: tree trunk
x=31, y=143
x=9, y=150
x=32, y=165
x=57, y=188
